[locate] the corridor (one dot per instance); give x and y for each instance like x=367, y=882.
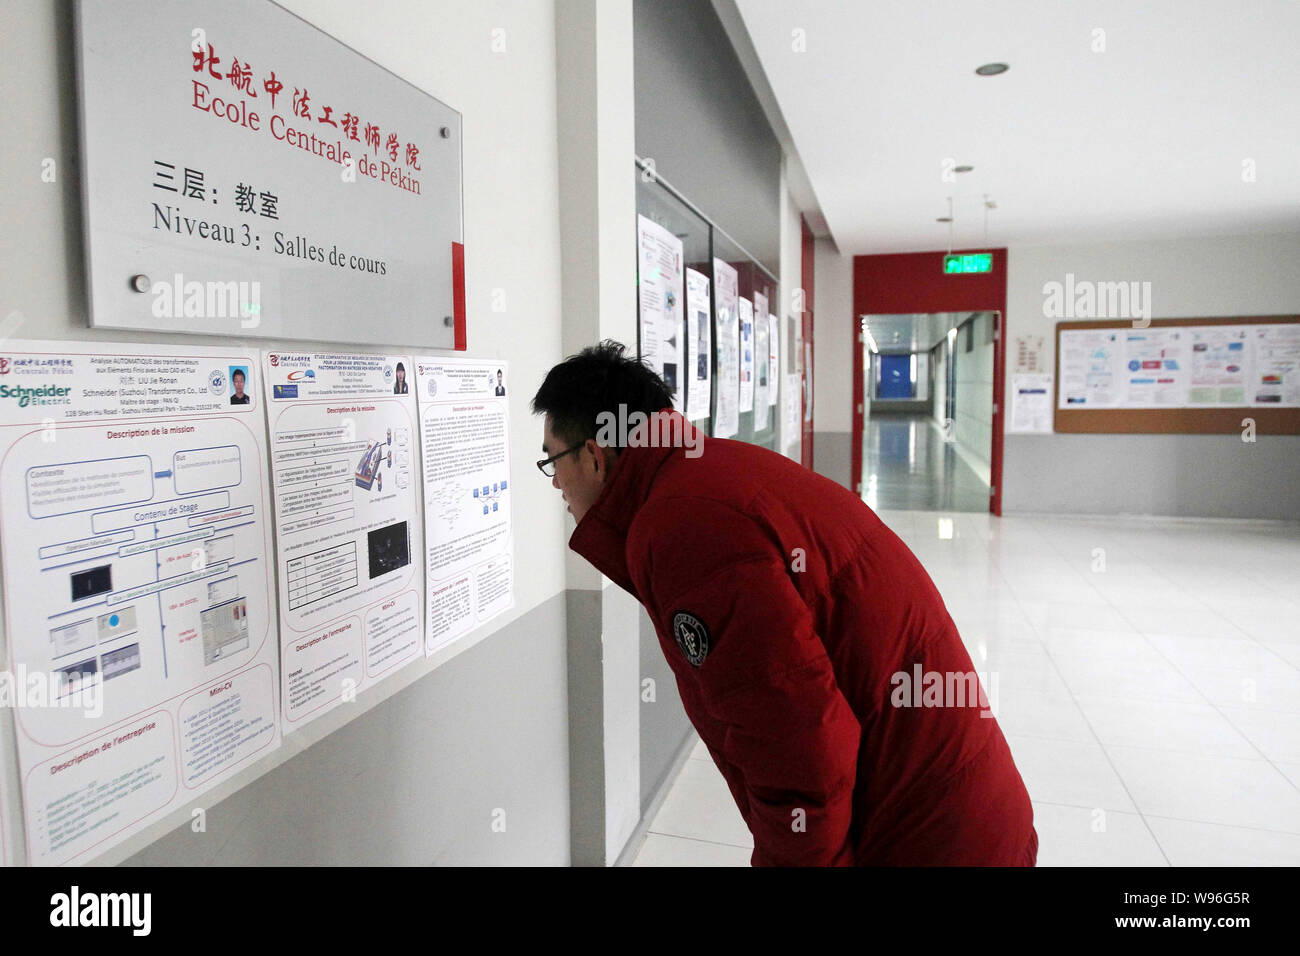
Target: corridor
x=907, y=466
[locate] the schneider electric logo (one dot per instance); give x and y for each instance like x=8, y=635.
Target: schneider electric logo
x=40, y=395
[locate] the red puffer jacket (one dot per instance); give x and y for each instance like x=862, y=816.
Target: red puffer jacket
x=799, y=628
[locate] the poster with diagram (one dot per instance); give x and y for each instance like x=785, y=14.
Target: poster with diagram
x=1217, y=373
x=659, y=287
x=727, y=415
x=773, y=358
x=1091, y=368
x=699, y=362
x=761, y=368
x=1155, y=363
x=349, y=535
x=746, y=313
x=465, y=434
x=139, y=611
x=1276, y=363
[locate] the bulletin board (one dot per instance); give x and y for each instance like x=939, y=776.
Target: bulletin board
x=1164, y=416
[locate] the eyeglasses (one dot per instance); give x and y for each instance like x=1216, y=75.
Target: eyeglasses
x=546, y=463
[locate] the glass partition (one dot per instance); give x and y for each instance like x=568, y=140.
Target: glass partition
x=697, y=350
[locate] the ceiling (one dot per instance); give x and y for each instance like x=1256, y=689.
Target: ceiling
x=1154, y=134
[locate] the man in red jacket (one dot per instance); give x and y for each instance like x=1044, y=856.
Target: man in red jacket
x=812, y=652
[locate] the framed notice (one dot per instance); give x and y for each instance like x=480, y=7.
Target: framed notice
x=245, y=173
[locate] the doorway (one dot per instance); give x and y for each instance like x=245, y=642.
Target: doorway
x=928, y=410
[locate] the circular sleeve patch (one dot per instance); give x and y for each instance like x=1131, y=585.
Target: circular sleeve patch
x=691, y=636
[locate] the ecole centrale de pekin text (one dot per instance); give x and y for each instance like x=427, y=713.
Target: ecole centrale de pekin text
x=241, y=115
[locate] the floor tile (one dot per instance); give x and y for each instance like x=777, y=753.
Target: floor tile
x=1165, y=725
x=662, y=850
x=1191, y=843
x=1275, y=733
x=700, y=806
x=1234, y=792
x=1071, y=772
x=1083, y=836
x=1116, y=677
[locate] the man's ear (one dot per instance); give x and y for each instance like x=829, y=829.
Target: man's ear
x=602, y=455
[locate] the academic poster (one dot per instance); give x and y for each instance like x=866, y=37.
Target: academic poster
x=746, y=312
x=1194, y=366
x=762, y=406
x=349, y=532
x=773, y=358
x=659, y=284
x=139, y=606
x=727, y=415
x=465, y=434
x=699, y=362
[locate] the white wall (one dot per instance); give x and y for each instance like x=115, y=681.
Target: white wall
x=1207, y=475
x=834, y=337
x=1238, y=275
x=512, y=244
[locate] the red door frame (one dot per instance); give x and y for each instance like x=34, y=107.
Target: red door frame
x=915, y=282
x=807, y=245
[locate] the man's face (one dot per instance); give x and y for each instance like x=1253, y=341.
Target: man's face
x=579, y=476
x=239, y=385
x=498, y=378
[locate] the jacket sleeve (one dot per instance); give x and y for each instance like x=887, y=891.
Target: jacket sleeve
x=722, y=594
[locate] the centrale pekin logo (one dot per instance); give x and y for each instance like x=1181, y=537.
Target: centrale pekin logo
x=75, y=908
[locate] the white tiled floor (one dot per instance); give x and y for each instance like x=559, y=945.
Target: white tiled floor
x=1148, y=684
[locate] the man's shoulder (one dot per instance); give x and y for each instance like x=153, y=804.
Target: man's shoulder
x=703, y=524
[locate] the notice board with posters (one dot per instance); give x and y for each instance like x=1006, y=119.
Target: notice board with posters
x=1195, y=375
x=245, y=173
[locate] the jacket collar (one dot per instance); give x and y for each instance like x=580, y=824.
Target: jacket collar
x=601, y=535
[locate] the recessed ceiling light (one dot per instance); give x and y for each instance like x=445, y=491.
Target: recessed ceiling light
x=944, y=219
x=962, y=169
x=992, y=69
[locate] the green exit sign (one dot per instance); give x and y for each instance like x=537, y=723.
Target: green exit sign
x=966, y=263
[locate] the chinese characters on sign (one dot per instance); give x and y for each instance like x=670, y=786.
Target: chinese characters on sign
x=248, y=174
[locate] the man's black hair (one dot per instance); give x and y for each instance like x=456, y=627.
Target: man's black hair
x=240, y=373
x=598, y=379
